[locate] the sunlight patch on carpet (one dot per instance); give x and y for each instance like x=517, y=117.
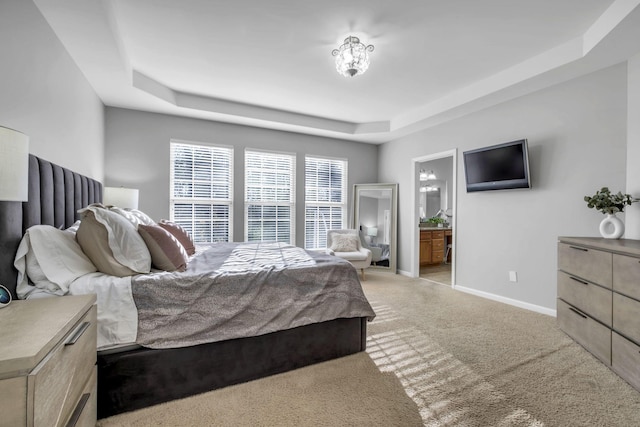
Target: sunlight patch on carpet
x=447, y=391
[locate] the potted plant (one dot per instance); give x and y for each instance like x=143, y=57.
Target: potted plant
x=609, y=204
x=436, y=221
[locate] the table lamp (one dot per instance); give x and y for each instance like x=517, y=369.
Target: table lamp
x=125, y=198
x=14, y=177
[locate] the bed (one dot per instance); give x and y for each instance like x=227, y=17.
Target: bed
x=135, y=376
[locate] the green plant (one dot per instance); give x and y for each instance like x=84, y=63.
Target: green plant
x=436, y=220
x=607, y=202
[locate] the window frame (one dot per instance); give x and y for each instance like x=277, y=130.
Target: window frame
x=291, y=204
x=344, y=204
x=228, y=202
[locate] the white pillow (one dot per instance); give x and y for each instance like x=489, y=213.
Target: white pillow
x=344, y=242
x=127, y=247
x=135, y=216
x=51, y=258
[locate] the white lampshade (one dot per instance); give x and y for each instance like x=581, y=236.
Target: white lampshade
x=372, y=231
x=14, y=165
x=126, y=198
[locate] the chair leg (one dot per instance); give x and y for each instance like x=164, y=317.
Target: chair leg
x=363, y=279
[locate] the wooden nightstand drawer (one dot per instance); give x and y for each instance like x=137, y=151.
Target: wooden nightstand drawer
x=626, y=271
x=590, y=264
x=13, y=401
x=593, y=336
x=591, y=299
x=85, y=412
x=59, y=380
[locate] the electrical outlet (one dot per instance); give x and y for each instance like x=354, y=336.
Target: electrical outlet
x=513, y=276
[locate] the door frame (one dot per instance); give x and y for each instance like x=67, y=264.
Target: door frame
x=415, y=183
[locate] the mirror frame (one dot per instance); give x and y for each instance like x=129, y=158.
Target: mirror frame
x=393, y=247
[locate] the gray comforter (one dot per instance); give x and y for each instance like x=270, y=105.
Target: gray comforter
x=234, y=290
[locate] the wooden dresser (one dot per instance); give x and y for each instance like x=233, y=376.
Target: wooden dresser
x=599, y=300
x=47, y=362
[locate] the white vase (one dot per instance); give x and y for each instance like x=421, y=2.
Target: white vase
x=612, y=227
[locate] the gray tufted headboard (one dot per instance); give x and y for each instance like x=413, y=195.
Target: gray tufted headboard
x=55, y=195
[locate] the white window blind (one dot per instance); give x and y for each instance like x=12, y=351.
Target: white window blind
x=201, y=193
x=269, y=196
x=325, y=199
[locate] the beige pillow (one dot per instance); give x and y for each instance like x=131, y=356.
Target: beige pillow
x=167, y=253
x=179, y=233
x=344, y=243
x=112, y=243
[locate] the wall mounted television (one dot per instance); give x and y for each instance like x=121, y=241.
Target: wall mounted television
x=498, y=167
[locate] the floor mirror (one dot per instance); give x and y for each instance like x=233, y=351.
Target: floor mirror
x=375, y=215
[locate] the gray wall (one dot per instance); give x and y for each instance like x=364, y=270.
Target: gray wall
x=577, y=142
x=44, y=94
x=137, y=155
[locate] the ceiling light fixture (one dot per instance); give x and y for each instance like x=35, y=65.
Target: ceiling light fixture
x=352, y=57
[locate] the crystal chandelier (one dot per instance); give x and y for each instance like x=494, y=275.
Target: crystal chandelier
x=352, y=57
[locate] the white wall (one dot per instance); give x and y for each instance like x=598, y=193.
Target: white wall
x=632, y=226
x=137, y=155
x=44, y=94
x=577, y=143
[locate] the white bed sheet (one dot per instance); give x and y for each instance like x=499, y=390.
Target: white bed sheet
x=117, y=313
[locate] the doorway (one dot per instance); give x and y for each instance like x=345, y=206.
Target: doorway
x=434, y=197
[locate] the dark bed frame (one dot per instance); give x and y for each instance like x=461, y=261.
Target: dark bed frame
x=136, y=378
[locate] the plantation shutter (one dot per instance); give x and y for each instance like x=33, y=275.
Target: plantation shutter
x=269, y=196
x=201, y=193
x=325, y=199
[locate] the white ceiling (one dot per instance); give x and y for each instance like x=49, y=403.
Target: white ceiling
x=269, y=64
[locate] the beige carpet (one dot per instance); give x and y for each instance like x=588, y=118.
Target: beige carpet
x=435, y=357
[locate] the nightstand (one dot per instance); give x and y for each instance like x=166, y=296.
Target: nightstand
x=48, y=362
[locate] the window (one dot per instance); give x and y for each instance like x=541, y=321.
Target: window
x=201, y=193
x=325, y=199
x=269, y=196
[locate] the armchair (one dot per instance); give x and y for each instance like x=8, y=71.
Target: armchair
x=346, y=245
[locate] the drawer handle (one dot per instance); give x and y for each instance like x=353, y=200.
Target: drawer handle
x=78, y=411
x=578, y=312
x=579, y=281
x=75, y=336
x=579, y=249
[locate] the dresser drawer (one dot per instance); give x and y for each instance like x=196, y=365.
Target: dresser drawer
x=58, y=382
x=625, y=359
x=626, y=316
x=437, y=234
x=591, y=299
x=589, y=264
x=437, y=256
x=437, y=245
x=593, y=336
x=626, y=271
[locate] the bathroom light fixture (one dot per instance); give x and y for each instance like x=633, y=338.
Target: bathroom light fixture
x=352, y=57
x=427, y=175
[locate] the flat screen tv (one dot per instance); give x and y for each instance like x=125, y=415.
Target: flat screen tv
x=498, y=167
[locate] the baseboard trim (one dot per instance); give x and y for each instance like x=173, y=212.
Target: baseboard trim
x=505, y=300
x=405, y=273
